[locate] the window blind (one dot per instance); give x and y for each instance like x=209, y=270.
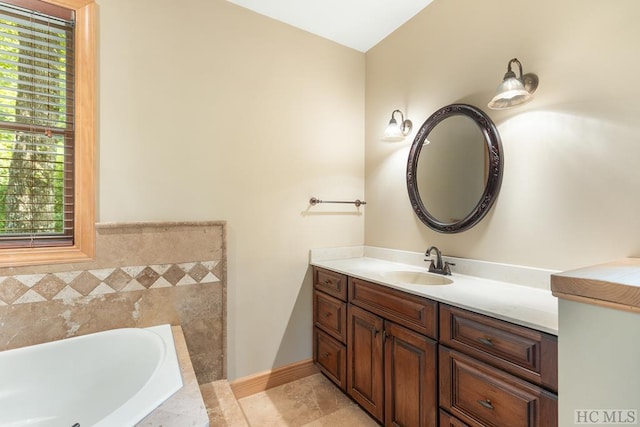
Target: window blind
x=36, y=126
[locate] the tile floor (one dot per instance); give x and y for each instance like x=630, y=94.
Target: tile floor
x=313, y=401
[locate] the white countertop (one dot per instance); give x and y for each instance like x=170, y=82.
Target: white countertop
x=534, y=307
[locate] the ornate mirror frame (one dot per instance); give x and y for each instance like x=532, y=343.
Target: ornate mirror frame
x=494, y=173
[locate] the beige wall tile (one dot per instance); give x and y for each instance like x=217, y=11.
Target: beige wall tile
x=112, y=293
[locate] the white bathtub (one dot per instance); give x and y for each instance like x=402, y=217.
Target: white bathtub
x=108, y=379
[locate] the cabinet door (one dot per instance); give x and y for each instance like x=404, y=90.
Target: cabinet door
x=364, y=360
x=410, y=378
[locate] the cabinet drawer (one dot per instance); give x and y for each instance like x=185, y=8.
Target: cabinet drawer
x=331, y=357
x=524, y=352
x=416, y=313
x=481, y=395
x=332, y=283
x=447, y=420
x=330, y=314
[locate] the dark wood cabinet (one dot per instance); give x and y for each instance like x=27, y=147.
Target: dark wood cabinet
x=392, y=370
x=410, y=361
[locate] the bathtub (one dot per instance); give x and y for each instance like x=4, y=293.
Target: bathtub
x=108, y=379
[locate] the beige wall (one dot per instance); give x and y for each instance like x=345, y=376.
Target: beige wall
x=570, y=191
x=211, y=112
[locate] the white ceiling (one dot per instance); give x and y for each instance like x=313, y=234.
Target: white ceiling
x=359, y=24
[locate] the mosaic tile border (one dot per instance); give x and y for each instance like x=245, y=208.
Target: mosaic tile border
x=29, y=288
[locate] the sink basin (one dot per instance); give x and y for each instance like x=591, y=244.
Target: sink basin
x=416, y=278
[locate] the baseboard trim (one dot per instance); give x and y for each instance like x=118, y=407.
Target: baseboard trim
x=252, y=384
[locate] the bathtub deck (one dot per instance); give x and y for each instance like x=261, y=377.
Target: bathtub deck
x=185, y=408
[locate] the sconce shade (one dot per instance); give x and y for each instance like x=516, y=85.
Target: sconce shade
x=510, y=93
x=395, y=132
x=514, y=91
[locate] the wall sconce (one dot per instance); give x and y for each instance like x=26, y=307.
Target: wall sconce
x=397, y=132
x=514, y=90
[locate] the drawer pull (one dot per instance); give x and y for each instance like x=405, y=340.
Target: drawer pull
x=486, y=341
x=327, y=314
x=327, y=282
x=325, y=354
x=486, y=403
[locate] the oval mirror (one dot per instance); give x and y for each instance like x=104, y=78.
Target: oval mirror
x=454, y=169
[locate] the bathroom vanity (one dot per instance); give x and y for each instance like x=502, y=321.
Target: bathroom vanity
x=413, y=350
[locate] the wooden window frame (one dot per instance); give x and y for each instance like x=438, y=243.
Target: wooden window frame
x=83, y=248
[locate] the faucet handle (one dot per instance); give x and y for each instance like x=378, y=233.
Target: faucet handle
x=447, y=268
x=432, y=266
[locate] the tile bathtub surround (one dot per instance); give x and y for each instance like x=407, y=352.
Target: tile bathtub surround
x=144, y=274
x=21, y=289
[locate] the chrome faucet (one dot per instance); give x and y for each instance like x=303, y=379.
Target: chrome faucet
x=438, y=266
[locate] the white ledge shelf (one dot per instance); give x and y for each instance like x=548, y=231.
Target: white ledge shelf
x=614, y=285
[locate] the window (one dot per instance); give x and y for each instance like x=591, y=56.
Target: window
x=47, y=131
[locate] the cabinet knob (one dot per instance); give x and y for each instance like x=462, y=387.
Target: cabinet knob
x=327, y=282
x=486, y=341
x=325, y=354
x=375, y=331
x=486, y=403
x=327, y=314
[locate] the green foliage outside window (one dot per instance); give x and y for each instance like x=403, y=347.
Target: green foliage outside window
x=34, y=150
